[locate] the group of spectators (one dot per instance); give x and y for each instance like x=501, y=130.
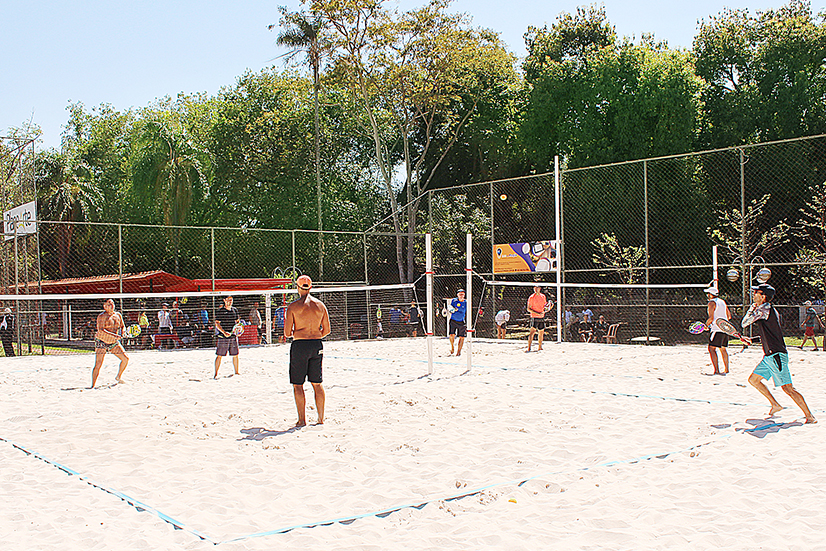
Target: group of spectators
x=583, y=327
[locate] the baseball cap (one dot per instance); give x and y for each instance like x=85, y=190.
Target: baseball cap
x=304, y=282
x=7, y=311
x=766, y=289
x=711, y=290
x=460, y=291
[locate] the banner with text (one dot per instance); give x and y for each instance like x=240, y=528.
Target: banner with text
x=533, y=256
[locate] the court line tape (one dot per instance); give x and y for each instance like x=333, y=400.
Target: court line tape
x=382, y=513
x=139, y=506
x=468, y=493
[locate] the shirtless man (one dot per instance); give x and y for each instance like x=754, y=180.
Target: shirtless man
x=110, y=328
x=307, y=322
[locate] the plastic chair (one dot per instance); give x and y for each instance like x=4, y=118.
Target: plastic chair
x=611, y=336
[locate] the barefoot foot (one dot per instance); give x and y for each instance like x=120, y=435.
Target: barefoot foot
x=775, y=409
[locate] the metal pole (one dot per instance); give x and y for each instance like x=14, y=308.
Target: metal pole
x=647, y=257
x=557, y=230
x=364, y=240
x=429, y=281
x=120, y=265
x=493, y=257
x=292, y=233
x=744, y=257
x=469, y=295
x=16, y=291
x=212, y=248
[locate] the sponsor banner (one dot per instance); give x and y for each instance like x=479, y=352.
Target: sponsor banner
x=533, y=256
x=24, y=217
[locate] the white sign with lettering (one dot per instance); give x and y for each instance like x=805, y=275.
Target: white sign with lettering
x=24, y=217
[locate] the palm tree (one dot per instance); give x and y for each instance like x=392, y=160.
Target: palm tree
x=303, y=33
x=166, y=168
x=69, y=195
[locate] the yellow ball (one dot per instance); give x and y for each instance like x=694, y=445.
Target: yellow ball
x=503, y=197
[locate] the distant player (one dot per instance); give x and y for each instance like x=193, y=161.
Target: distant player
x=109, y=332
x=226, y=341
x=413, y=316
x=718, y=340
x=536, y=308
x=307, y=322
x=775, y=363
x=502, y=318
x=457, y=327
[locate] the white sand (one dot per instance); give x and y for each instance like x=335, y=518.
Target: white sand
x=620, y=447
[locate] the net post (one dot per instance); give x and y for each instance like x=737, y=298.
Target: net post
x=557, y=224
x=714, y=265
x=469, y=295
x=429, y=297
x=268, y=313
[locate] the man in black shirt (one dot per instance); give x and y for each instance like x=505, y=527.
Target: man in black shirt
x=225, y=320
x=775, y=363
x=413, y=315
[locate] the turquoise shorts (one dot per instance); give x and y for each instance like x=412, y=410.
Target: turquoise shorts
x=775, y=366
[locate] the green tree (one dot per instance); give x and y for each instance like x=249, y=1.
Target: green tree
x=419, y=76
x=766, y=74
x=68, y=194
x=627, y=262
x=168, y=169
x=304, y=33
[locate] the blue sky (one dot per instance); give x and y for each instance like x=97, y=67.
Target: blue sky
x=128, y=53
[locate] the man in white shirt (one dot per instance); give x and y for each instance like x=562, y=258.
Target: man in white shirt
x=718, y=340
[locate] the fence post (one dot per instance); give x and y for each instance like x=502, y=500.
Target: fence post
x=292, y=234
x=744, y=253
x=366, y=275
x=647, y=255
x=212, y=261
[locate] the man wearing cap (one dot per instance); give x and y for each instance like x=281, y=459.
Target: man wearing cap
x=718, y=340
x=7, y=332
x=307, y=322
x=226, y=342
x=775, y=363
x=457, y=327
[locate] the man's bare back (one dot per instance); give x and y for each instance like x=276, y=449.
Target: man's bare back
x=306, y=319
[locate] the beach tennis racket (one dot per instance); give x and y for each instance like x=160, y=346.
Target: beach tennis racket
x=238, y=329
x=728, y=328
x=548, y=305
x=133, y=331
x=697, y=327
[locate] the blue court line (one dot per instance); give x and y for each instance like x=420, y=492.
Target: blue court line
x=140, y=507
x=453, y=497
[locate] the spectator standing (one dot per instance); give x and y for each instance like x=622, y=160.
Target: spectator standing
x=809, y=324
x=255, y=320
x=7, y=332
x=164, y=323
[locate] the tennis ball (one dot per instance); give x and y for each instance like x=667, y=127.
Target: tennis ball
x=503, y=197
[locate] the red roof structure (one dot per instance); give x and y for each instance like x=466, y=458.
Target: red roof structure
x=156, y=281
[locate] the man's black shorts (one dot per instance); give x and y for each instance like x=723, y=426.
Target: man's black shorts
x=718, y=339
x=538, y=324
x=305, y=361
x=457, y=328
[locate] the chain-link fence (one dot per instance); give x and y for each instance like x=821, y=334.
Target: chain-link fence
x=651, y=221
x=654, y=221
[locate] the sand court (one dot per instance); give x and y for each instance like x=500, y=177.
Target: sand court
x=579, y=446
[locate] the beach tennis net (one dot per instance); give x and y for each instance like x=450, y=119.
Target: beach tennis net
x=67, y=323
x=647, y=314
